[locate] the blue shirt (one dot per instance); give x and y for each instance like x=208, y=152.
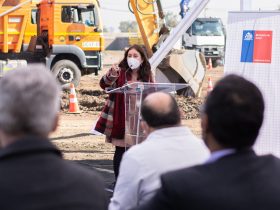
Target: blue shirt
x=219, y=154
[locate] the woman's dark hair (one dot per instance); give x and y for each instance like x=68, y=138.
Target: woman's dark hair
x=145, y=73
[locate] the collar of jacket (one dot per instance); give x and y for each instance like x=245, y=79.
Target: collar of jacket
x=248, y=152
x=29, y=145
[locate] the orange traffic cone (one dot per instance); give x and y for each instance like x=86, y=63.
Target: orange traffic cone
x=210, y=64
x=73, y=101
x=210, y=85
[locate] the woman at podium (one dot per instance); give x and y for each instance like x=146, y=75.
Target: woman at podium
x=134, y=67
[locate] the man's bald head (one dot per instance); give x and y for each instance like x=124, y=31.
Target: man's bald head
x=160, y=110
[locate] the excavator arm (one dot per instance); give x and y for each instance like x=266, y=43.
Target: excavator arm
x=179, y=66
x=150, y=19
x=146, y=17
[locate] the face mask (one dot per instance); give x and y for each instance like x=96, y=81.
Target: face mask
x=133, y=63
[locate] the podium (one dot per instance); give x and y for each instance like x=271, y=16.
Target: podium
x=134, y=94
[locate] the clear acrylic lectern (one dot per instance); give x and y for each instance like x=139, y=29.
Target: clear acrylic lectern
x=134, y=94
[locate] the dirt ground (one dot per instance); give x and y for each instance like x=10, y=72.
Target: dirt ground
x=73, y=135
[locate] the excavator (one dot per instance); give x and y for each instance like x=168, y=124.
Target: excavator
x=170, y=65
x=69, y=39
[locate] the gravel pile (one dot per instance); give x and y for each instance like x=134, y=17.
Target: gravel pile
x=189, y=106
x=89, y=100
x=94, y=100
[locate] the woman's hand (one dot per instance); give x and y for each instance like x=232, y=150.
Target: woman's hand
x=115, y=70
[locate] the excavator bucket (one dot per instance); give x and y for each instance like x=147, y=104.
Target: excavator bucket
x=183, y=66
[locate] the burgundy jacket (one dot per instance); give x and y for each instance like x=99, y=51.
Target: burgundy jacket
x=112, y=118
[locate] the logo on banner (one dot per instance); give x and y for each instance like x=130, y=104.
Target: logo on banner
x=248, y=36
x=256, y=46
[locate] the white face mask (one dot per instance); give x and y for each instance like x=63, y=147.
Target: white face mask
x=133, y=63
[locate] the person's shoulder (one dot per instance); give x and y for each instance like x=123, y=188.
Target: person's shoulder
x=76, y=170
x=138, y=154
x=270, y=159
x=135, y=150
x=190, y=140
x=185, y=180
x=215, y=167
x=196, y=174
x=86, y=183
x=187, y=172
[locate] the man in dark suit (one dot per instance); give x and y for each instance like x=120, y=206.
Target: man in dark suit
x=33, y=175
x=234, y=177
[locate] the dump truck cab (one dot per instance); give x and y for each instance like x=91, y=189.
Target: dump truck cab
x=73, y=37
x=207, y=35
x=66, y=36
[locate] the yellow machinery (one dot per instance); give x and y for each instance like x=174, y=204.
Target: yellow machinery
x=147, y=20
x=17, y=26
x=65, y=35
x=135, y=38
x=178, y=66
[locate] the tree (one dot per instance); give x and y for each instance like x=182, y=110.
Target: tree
x=105, y=29
x=171, y=19
x=109, y=29
x=128, y=26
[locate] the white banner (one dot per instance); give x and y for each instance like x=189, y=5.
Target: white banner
x=253, y=51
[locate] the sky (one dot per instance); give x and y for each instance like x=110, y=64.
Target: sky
x=114, y=11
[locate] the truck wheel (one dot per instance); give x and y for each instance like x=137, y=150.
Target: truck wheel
x=67, y=72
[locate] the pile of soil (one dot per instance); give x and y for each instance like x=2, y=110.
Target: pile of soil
x=190, y=106
x=94, y=100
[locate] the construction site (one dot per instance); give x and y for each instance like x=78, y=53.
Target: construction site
x=74, y=136
x=28, y=35
x=69, y=39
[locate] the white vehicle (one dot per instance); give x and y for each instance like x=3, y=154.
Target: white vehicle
x=207, y=35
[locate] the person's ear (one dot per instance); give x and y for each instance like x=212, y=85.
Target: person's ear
x=145, y=127
x=182, y=114
x=205, y=129
x=204, y=123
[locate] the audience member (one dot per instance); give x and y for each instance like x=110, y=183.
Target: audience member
x=234, y=177
x=33, y=174
x=134, y=67
x=169, y=146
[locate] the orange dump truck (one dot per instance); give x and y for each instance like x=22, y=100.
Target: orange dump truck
x=65, y=35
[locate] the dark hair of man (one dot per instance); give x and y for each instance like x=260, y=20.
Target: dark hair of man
x=156, y=119
x=145, y=74
x=235, y=110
